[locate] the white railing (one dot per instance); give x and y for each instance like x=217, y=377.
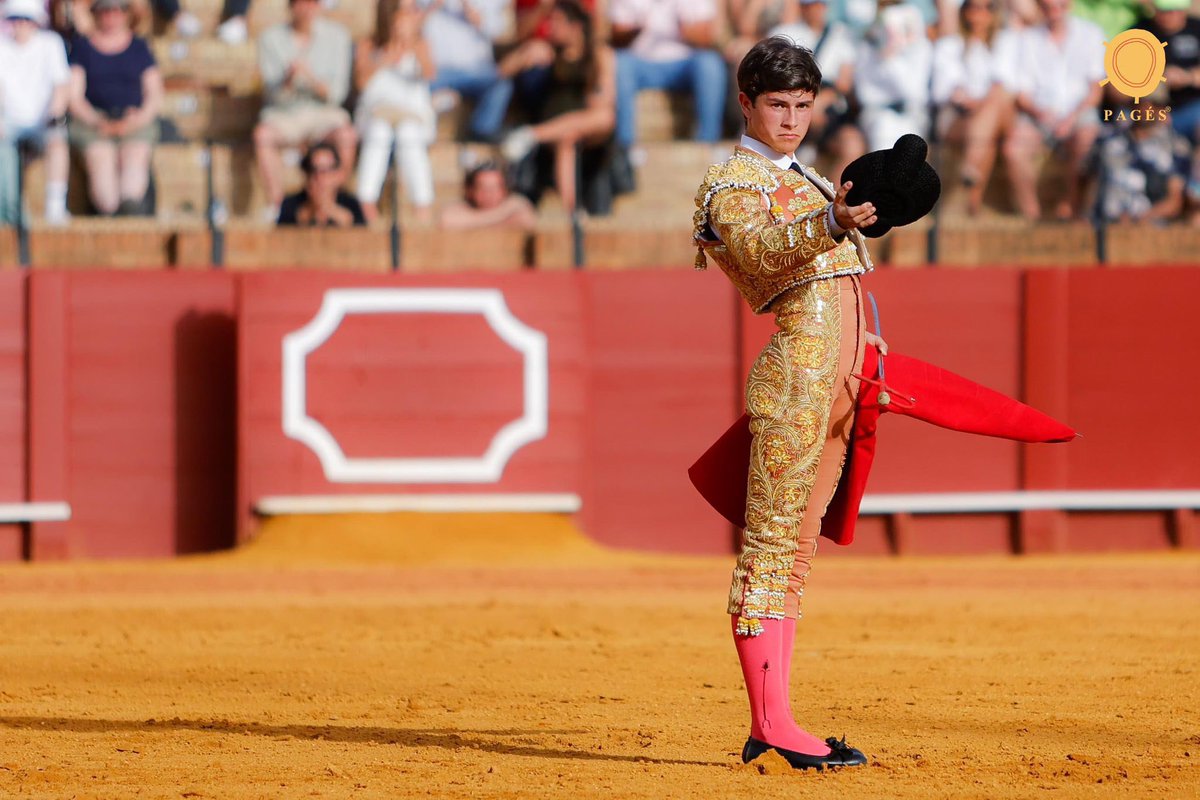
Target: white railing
x=434, y=503
x=1007, y=502
x=35, y=512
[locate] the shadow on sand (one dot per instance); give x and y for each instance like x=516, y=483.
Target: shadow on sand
x=488, y=741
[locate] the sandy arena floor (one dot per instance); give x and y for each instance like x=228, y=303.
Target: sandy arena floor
x=331, y=660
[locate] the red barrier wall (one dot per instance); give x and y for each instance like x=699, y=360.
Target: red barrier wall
x=407, y=385
x=663, y=381
x=133, y=381
x=13, y=468
x=135, y=418
x=632, y=393
x=1110, y=350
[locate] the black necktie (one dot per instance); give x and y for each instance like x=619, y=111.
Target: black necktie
x=794, y=167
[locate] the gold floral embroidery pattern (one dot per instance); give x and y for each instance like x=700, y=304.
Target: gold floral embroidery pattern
x=788, y=396
x=771, y=229
x=798, y=204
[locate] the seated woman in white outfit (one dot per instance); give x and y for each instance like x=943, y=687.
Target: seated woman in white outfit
x=892, y=76
x=392, y=71
x=970, y=61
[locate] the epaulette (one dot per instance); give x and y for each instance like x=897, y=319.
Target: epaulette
x=739, y=171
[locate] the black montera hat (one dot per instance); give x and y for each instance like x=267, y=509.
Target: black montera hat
x=898, y=181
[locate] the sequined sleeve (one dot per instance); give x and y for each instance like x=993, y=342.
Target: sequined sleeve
x=759, y=243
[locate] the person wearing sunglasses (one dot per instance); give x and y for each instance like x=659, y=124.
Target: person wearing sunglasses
x=322, y=202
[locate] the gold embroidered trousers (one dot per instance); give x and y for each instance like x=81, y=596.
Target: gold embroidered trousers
x=800, y=396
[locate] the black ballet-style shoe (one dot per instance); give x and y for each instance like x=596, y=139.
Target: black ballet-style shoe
x=840, y=755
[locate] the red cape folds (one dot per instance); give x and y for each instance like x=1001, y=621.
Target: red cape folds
x=916, y=389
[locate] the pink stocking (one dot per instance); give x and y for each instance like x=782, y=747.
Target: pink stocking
x=789, y=645
x=765, y=669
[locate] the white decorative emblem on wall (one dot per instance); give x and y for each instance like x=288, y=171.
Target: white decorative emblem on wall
x=488, y=468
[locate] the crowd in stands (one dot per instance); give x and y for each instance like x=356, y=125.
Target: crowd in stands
x=552, y=86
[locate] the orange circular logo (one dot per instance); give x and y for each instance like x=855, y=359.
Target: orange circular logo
x=1134, y=62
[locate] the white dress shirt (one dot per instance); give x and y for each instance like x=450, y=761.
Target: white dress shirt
x=29, y=74
x=1058, y=76
x=973, y=67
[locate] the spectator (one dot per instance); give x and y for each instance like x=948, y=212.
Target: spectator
x=1180, y=30
x=321, y=203
x=392, y=73
x=749, y=21
x=1056, y=79
x=1145, y=168
x=1173, y=24
x=833, y=126
x=578, y=101
x=487, y=202
x=533, y=18
x=892, y=75
x=969, y=66
x=666, y=44
x=462, y=36
x=860, y=15
x=34, y=89
x=746, y=22
x=305, y=66
x=116, y=92
x=73, y=17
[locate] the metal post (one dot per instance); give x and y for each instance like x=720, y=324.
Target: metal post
x=216, y=211
x=395, y=232
x=22, y=228
x=578, y=256
x=1099, y=223
x=931, y=235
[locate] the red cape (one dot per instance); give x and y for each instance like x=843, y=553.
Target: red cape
x=915, y=389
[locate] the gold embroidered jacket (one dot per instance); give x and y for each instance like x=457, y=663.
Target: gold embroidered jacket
x=768, y=228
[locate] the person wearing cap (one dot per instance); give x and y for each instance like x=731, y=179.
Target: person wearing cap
x=791, y=245
x=34, y=85
x=116, y=93
x=1180, y=31
x=834, y=127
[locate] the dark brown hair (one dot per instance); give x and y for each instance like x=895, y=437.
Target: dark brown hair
x=993, y=26
x=480, y=168
x=385, y=11
x=578, y=15
x=778, y=64
x=306, y=163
